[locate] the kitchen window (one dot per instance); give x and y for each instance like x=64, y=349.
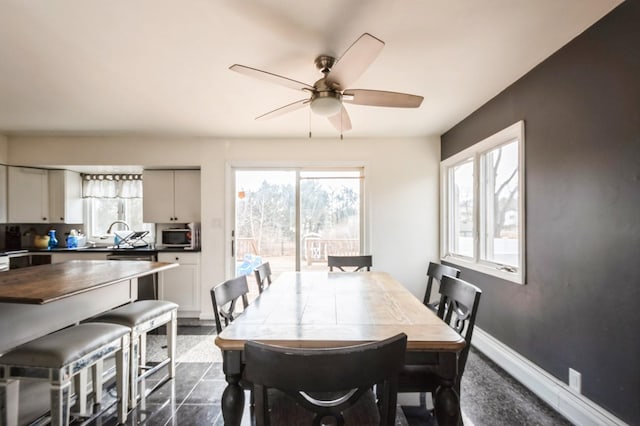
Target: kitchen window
x=482, y=206
x=112, y=197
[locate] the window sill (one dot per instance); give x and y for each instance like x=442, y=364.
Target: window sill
x=515, y=277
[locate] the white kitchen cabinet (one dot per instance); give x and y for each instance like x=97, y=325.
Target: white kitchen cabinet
x=181, y=285
x=171, y=196
x=28, y=195
x=3, y=193
x=65, y=197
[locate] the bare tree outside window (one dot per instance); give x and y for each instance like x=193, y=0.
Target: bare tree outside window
x=500, y=196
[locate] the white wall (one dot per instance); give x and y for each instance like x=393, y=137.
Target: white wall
x=401, y=187
x=4, y=144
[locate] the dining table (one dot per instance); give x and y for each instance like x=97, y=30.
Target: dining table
x=338, y=309
x=42, y=299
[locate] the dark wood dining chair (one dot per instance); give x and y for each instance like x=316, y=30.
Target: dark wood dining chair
x=309, y=385
x=224, y=297
x=359, y=263
x=458, y=307
x=435, y=272
x=263, y=276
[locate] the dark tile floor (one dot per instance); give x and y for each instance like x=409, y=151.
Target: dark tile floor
x=489, y=397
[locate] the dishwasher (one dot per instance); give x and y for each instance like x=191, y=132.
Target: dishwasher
x=147, y=285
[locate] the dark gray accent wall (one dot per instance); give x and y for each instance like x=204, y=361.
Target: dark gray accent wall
x=580, y=306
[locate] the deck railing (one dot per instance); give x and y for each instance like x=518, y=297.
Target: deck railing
x=314, y=249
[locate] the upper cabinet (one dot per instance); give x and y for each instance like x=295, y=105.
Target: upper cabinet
x=171, y=196
x=43, y=196
x=65, y=197
x=28, y=195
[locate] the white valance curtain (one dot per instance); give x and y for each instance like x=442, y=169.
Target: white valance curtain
x=112, y=186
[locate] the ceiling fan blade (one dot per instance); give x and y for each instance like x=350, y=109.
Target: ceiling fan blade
x=283, y=110
x=381, y=98
x=273, y=78
x=355, y=60
x=341, y=120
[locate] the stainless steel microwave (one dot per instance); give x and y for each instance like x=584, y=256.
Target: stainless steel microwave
x=188, y=238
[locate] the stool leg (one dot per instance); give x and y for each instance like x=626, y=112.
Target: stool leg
x=172, y=330
x=96, y=381
x=80, y=382
x=122, y=365
x=142, y=350
x=60, y=399
x=134, y=368
x=9, y=390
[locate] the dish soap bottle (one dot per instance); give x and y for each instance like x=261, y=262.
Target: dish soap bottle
x=53, y=242
x=72, y=239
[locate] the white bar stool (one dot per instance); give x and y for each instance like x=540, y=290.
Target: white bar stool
x=142, y=317
x=58, y=357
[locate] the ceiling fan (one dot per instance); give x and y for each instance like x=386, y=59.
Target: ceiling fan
x=329, y=93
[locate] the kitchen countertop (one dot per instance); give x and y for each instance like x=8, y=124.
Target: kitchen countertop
x=13, y=252
x=47, y=283
x=147, y=249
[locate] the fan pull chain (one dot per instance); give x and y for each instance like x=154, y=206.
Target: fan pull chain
x=341, y=115
x=309, y=123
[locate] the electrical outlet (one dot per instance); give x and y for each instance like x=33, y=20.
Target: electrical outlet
x=575, y=380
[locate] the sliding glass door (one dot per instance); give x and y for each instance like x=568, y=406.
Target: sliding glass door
x=295, y=218
x=330, y=219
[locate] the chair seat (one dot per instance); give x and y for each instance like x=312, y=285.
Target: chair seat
x=137, y=313
x=64, y=347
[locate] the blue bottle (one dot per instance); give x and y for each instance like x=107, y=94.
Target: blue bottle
x=72, y=241
x=53, y=242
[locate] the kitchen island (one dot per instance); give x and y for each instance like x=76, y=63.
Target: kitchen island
x=41, y=299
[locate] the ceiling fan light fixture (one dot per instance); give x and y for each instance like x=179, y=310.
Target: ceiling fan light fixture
x=330, y=91
x=326, y=103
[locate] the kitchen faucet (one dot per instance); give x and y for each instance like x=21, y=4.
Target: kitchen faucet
x=118, y=221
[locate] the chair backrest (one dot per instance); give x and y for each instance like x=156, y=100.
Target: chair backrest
x=225, y=293
x=263, y=276
x=350, y=370
x=458, y=307
x=357, y=262
x=435, y=272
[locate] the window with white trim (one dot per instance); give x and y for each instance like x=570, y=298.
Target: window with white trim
x=113, y=197
x=482, y=206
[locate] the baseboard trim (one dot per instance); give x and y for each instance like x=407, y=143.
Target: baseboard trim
x=575, y=407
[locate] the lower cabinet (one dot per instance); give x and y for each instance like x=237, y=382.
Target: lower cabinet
x=181, y=285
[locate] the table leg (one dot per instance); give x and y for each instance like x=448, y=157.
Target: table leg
x=233, y=395
x=447, y=406
x=446, y=398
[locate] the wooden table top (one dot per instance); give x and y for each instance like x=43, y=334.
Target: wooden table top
x=47, y=283
x=332, y=309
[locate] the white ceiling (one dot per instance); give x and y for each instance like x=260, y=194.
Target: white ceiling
x=161, y=66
